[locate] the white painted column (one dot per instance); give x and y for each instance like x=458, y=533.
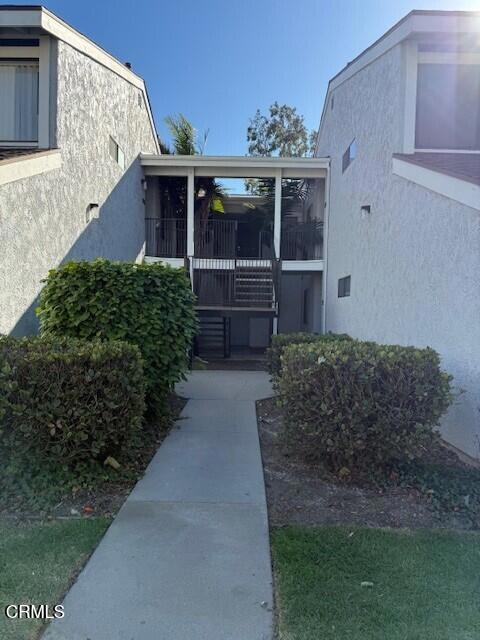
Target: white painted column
x=275, y=326
x=326, y=221
x=277, y=217
x=191, y=213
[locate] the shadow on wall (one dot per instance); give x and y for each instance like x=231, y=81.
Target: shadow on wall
x=117, y=234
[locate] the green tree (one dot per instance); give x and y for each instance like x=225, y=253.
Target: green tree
x=209, y=194
x=281, y=133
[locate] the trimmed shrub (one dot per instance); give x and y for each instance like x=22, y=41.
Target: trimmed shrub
x=149, y=305
x=69, y=404
x=357, y=404
x=282, y=340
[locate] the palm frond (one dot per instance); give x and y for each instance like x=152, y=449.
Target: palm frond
x=183, y=135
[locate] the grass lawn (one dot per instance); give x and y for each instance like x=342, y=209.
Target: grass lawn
x=426, y=585
x=37, y=564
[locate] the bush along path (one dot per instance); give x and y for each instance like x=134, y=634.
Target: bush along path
x=83, y=406
x=188, y=554
x=148, y=305
x=359, y=416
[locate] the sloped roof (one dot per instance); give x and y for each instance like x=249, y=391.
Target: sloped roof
x=464, y=166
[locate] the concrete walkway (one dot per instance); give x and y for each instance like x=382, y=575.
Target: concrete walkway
x=187, y=557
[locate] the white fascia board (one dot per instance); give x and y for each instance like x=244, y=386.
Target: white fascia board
x=19, y=18
x=27, y=166
x=235, y=166
x=302, y=265
x=466, y=193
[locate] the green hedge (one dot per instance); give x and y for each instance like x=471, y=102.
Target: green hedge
x=68, y=404
x=357, y=404
x=149, y=305
x=282, y=340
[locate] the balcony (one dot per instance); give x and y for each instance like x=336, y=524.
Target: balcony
x=166, y=237
x=302, y=241
x=236, y=283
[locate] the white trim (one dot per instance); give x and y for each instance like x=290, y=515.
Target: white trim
x=176, y=263
x=26, y=166
x=44, y=93
x=45, y=19
x=410, y=101
x=473, y=151
x=234, y=166
x=326, y=227
x=302, y=265
x=19, y=145
x=17, y=53
x=277, y=213
x=444, y=57
x=190, y=213
x=461, y=191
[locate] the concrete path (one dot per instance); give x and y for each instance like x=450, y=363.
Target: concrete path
x=187, y=557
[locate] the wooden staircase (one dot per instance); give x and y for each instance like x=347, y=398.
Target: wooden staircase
x=253, y=286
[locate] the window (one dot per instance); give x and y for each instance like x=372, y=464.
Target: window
x=18, y=101
x=349, y=155
x=448, y=111
x=116, y=153
x=332, y=103
x=344, y=287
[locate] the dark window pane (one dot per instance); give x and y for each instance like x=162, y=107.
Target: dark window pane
x=448, y=107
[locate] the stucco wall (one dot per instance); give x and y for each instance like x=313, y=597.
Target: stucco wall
x=414, y=261
x=42, y=218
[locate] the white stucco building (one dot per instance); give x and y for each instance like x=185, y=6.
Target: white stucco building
x=73, y=121
x=401, y=126
x=385, y=247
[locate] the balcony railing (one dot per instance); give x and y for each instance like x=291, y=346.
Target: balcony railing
x=302, y=241
x=230, y=239
x=166, y=237
x=235, y=282
x=216, y=239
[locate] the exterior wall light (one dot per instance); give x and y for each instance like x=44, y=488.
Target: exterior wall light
x=92, y=211
x=365, y=210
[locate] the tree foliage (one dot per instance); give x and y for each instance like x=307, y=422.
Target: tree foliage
x=209, y=194
x=282, y=133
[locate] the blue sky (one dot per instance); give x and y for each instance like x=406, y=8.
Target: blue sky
x=217, y=61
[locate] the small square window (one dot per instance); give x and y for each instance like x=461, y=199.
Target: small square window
x=349, y=155
x=344, y=287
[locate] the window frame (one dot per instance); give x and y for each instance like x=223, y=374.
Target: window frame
x=13, y=62
x=41, y=53
x=348, y=157
x=344, y=287
x=414, y=57
x=426, y=60
x=116, y=152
